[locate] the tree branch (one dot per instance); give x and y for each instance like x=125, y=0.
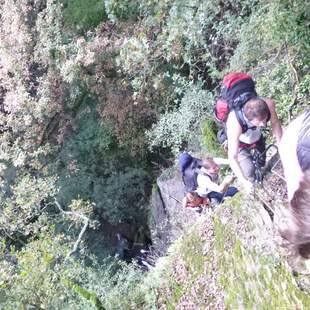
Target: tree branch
x=86, y=223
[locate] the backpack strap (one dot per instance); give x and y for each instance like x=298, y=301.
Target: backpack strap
x=198, y=171
x=241, y=120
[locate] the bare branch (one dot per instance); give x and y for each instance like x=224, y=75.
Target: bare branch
x=86, y=223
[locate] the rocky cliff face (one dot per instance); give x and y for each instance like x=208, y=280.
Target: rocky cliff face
x=170, y=219
x=230, y=257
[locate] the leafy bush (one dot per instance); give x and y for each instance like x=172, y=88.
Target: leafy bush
x=122, y=9
x=96, y=171
x=182, y=125
x=84, y=14
x=37, y=276
x=210, y=140
x=279, y=54
x=36, y=279
x=121, y=197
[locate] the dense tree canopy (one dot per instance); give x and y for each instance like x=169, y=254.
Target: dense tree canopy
x=95, y=98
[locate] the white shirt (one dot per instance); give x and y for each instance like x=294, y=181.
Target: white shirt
x=205, y=184
x=251, y=135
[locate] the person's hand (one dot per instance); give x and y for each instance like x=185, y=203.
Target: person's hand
x=229, y=179
x=248, y=186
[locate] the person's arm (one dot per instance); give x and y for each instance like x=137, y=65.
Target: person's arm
x=184, y=202
x=234, y=131
x=221, y=161
x=205, y=184
x=224, y=185
x=275, y=122
x=288, y=154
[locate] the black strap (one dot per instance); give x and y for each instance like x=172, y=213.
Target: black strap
x=198, y=171
x=241, y=120
x=238, y=104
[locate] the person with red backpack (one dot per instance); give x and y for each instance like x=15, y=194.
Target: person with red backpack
x=244, y=114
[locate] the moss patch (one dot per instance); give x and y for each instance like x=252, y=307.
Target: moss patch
x=253, y=279
x=222, y=263
x=209, y=130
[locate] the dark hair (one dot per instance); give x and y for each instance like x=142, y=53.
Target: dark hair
x=298, y=233
x=256, y=108
x=191, y=196
x=208, y=162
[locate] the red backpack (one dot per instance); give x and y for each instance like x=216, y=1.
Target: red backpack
x=237, y=88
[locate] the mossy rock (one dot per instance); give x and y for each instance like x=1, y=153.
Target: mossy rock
x=228, y=260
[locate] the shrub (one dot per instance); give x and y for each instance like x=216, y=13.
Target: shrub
x=84, y=15
x=122, y=9
x=278, y=55
x=210, y=141
x=182, y=125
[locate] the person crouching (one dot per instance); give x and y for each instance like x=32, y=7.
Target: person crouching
x=209, y=185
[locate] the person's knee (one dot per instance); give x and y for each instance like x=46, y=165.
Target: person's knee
x=231, y=191
x=246, y=163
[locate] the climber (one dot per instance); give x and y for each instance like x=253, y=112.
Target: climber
x=202, y=176
x=295, y=156
x=242, y=114
x=256, y=112
x=208, y=183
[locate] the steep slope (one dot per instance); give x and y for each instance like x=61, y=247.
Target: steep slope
x=226, y=258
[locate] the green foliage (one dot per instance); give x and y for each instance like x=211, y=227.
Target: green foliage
x=86, y=294
x=121, y=196
x=92, y=140
x=122, y=9
x=31, y=191
x=117, y=198
x=181, y=125
x=84, y=15
x=112, y=284
x=210, y=129
x=42, y=279
x=279, y=54
x=21, y=205
x=80, y=94
x=35, y=281
x=95, y=171
x=192, y=38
